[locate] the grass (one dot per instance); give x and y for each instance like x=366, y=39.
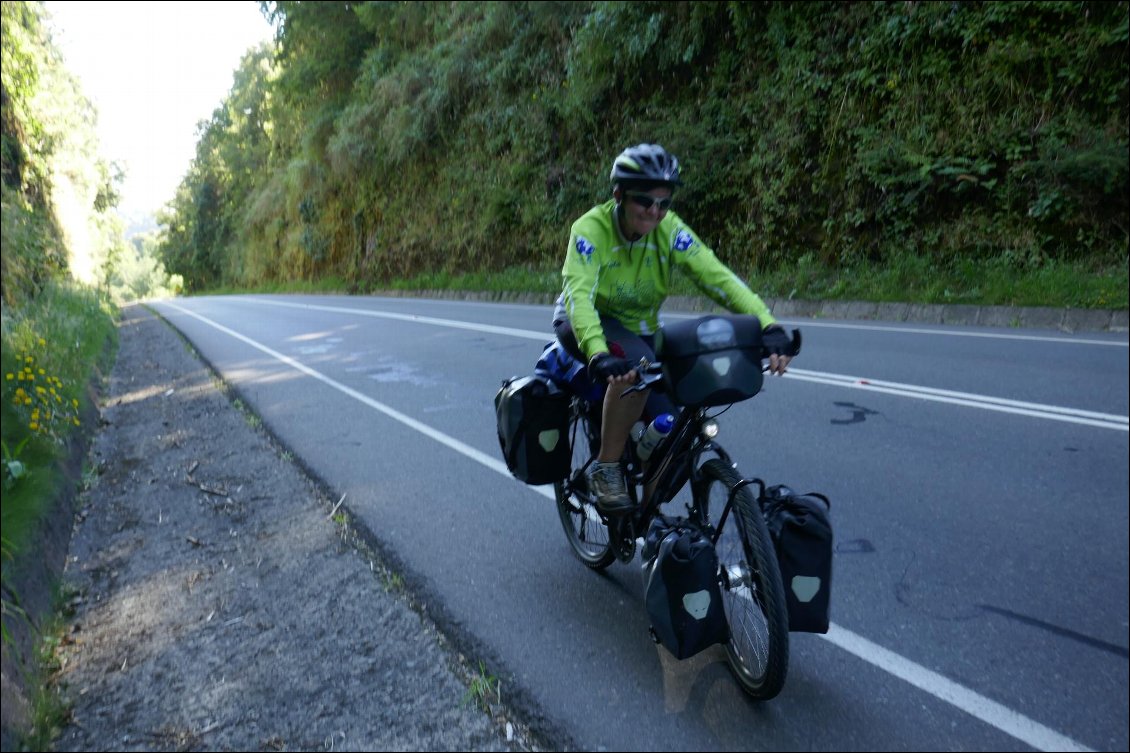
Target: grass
x=908, y=279
x=484, y=688
x=51, y=349
x=993, y=282
x=248, y=415
x=50, y=712
x=48, y=709
x=393, y=582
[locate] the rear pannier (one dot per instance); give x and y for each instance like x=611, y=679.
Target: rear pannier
x=533, y=429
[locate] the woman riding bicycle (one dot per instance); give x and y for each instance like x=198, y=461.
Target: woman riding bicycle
x=617, y=271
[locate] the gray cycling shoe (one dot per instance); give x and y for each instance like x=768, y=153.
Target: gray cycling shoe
x=607, y=484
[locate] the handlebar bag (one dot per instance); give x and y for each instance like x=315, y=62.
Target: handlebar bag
x=683, y=597
x=533, y=429
x=801, y=530
x=714, y=360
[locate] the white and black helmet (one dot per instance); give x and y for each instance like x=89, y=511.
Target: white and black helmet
x=646, y=163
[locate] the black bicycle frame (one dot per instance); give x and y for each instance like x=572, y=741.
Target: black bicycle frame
x=675, y=463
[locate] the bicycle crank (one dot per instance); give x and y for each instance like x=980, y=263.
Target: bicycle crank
x=623, y=538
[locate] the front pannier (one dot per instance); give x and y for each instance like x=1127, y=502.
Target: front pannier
x=682, y=594
x=533, y=429
x=715, y=360
x=802, y=535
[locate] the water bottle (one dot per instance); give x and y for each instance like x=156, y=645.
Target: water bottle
x=659, y=428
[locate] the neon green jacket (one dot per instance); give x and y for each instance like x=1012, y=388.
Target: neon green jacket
x=628, y=280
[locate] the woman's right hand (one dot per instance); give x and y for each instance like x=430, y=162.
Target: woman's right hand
x=605, y=367
x=779, y=347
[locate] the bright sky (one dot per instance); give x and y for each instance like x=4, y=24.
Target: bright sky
x=154, y=70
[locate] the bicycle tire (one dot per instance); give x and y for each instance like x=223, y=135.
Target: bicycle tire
x=752, y=594
x=585, y=529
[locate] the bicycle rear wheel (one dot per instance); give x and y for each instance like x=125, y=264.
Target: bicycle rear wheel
x=754, y=599
x=584, y=528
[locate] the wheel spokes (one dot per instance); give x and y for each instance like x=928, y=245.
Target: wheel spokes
x=749, y=634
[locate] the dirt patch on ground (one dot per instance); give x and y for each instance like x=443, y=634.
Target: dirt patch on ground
x=220, y=602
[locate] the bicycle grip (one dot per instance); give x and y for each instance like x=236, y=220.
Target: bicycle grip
x=794, y=345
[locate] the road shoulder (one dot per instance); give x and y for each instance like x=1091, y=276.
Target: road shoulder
x=218, y=601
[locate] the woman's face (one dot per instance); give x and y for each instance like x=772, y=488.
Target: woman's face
x=639, y=220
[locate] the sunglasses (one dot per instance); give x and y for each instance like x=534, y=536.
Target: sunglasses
x=645, y=200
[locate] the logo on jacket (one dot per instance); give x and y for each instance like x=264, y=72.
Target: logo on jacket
x=683, y=240
x=584, y=248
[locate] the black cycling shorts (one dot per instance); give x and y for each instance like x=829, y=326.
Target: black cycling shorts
x=634, y=348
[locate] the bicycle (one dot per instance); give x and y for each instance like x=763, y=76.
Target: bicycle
x=723, y=505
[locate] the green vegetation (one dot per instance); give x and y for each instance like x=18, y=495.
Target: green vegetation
x=483, y=689
x=50, y=712
x=58, y=192
x=51, y=348
x=55, y=315
x=62, y=261
x=906, y=278
x=935, y=152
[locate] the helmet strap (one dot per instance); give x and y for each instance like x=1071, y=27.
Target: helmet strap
x=620, y=224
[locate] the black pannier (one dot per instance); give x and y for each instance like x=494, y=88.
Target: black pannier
x=802, y=534
x=533, y=429
x=715, y=360
x=683, y=597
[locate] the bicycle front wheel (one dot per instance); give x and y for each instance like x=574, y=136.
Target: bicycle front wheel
x=752, y=594
x=576, y=506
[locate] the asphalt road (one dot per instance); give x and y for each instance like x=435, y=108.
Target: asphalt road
x=978, y=478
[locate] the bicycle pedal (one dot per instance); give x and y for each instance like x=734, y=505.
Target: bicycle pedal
x=626, y=551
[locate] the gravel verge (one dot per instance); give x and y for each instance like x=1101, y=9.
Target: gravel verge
x=218, y=600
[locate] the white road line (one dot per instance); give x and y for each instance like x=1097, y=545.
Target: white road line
x=1001, y=405
x=545, y=336
x=969, y=400
x=992, y=713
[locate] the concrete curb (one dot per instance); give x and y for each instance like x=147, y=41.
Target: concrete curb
x=1063, y=320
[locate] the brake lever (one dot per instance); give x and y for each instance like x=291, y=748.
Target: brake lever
x=649, y=373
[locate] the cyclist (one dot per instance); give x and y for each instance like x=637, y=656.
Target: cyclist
x=617, y=269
